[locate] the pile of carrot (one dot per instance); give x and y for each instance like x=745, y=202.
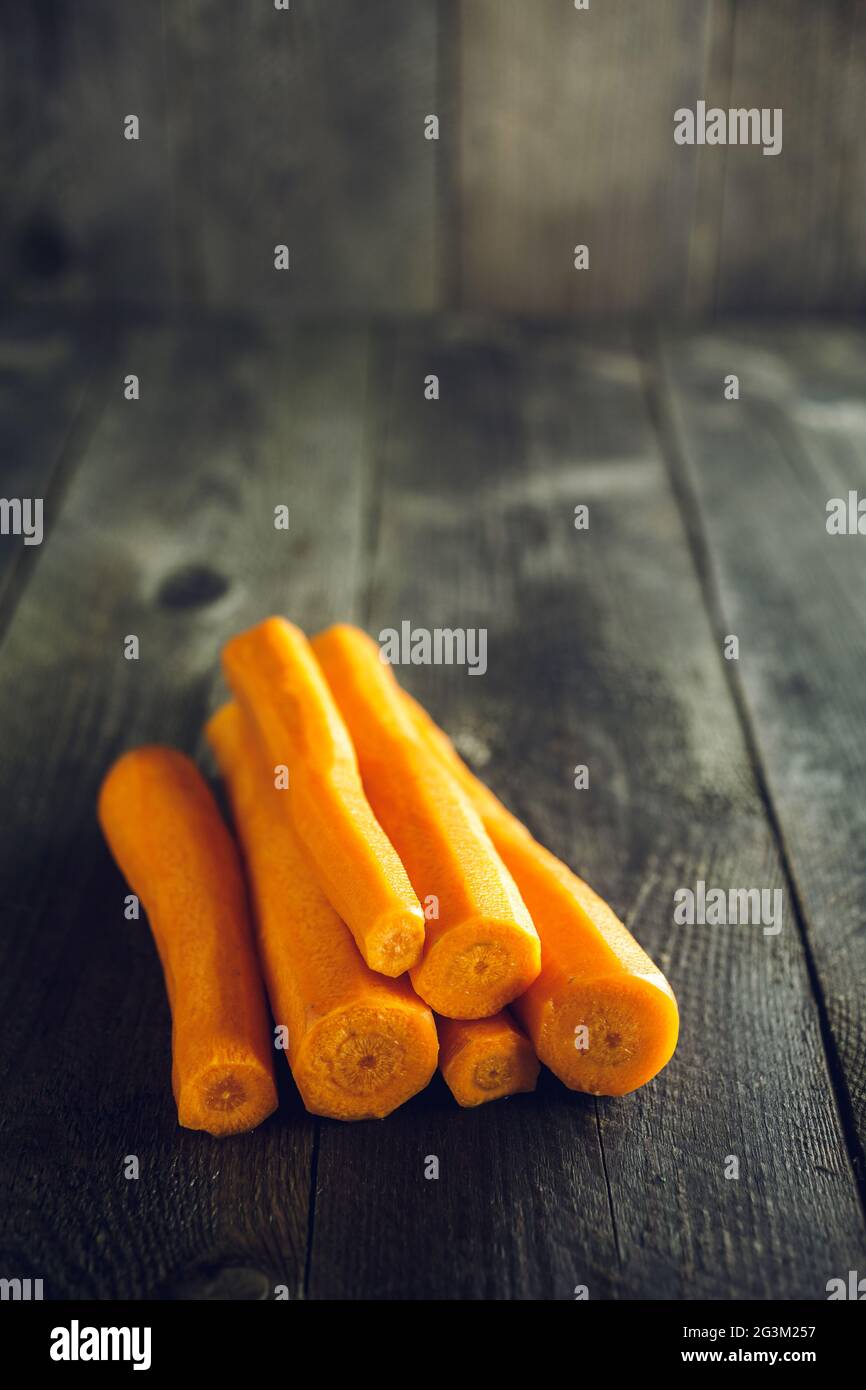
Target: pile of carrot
x=378, y=912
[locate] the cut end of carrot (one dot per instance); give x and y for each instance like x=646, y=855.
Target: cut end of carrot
x=225, y=1092
x=493, y=1073
x=362, y=1062
x=608, y=1037
x=484, y=1059
x=396, y=943
x=227, y=1098
x=476, y=969
x=481, y=1074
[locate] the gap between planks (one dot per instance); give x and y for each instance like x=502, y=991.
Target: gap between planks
x=673, y=451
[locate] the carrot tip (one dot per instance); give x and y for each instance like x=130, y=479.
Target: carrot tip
x=397, y=944
x=362, y=1062
x=485, y=1060
x=610, y=1036
x=360, y=1050
x=469, y=973
x=227, y=1098
x=485, y=960
x=493, y=1073
x=224, y=1092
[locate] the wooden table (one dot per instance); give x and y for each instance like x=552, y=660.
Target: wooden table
x=606, y=648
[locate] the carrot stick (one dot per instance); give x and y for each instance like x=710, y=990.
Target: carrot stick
x=277, y=681
x=359, y=1044
x=601, y=1015
x=482, y=1059
x=168, y=838
x=482, y=949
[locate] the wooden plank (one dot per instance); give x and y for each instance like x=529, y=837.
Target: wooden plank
x=47, y=395
x=487, y=1227
x=257, y=127
x=90, y=212
x=761, y=472
x=167, y=532
x=567, y=138
x=851, y=269
x=600, y=652
x=791, y=227
x=314, y=119
x=704, y=240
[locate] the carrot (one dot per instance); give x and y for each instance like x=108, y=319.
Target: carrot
x=168, y=838
x=277, y=681
x=601, y=1015
x=484, y=1058
x=359, y=1044
x=481, y=949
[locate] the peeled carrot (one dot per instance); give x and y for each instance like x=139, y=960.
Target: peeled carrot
x=601, y=1014
x=359, y=1044
x=481, y=949
x=485, y=1058
x=168, y=838
x=277, y=680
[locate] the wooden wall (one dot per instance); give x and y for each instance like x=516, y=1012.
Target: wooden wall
x=258, y=127
x=567, y=137
x=306, y=127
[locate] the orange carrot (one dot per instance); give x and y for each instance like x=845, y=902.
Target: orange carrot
x=277, y=681
x=359, y=1044
x=481, y=949
x=484, y=1058
x=168, y=838
x=601, y=1015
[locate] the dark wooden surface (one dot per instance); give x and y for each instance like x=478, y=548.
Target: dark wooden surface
x=605, y=648
x=756, y=479
x=306, y=127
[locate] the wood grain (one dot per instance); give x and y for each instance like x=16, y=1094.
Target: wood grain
x=760, y=472
x=600, y=652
